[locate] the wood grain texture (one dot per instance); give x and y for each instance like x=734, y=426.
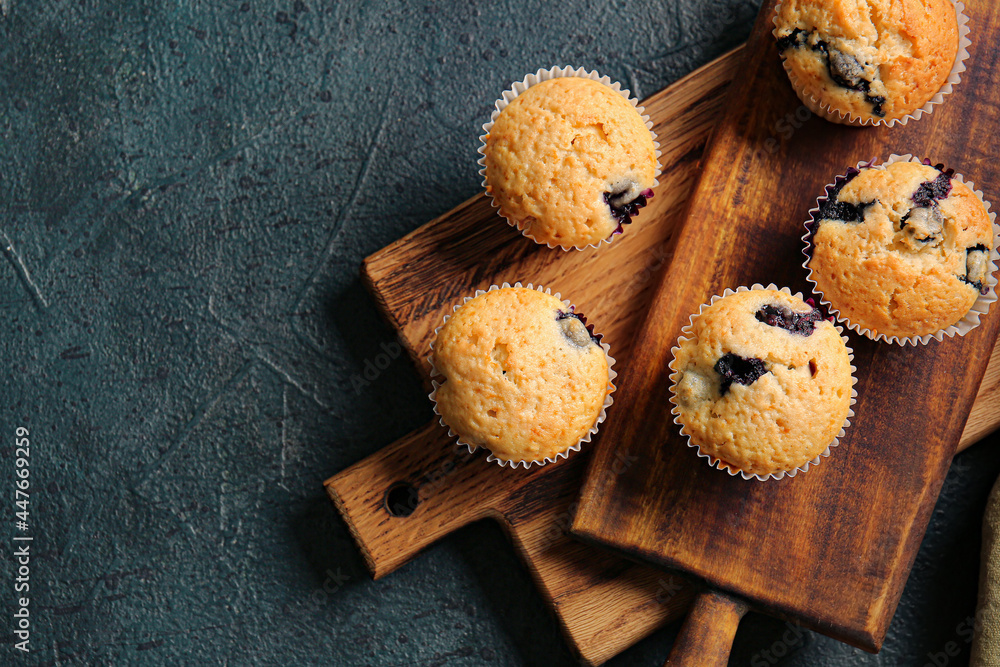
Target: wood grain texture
x=832, y=548
x=604, y=602
x=706, y=638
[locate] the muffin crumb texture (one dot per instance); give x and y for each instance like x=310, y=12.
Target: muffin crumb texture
x=523, y=376
x=570, y=160
x=902, y=251
x=763, y=382
x=868, y=59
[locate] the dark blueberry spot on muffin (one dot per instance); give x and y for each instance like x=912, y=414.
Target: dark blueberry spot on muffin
x=624, y=204
x=794, y=39
x=977, y=260
x=802, y=324
x=576, y=330
x=832, y=209
x=844, y=69
x=929, y=192
x=878, y=104
x=847, y=72
x=832, y=193
x=841, y=181
x=973, y=283
x=924, y=224
x=734, y=368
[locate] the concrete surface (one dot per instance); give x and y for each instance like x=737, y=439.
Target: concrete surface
x=187, y=189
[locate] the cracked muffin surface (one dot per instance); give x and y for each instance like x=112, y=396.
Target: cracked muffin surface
x=902, y=250
x=763, y=381
x=570, y=160
x=868, y=59
x=523, y=375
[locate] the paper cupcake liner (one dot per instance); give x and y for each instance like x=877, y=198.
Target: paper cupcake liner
x=608, y=400
x=971, y=319
x=688, y=332
x=533, y=79
x=835, y=116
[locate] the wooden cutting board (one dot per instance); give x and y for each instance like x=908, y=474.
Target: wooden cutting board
x=831, y=548
x=603, y=602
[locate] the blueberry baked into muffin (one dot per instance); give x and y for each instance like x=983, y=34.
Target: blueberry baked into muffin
x=901, y=250
x=569, y=161
x=762, y=382
x=522, y=375
x=867, y=60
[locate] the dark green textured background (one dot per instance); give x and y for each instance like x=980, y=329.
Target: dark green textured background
x=187, y=190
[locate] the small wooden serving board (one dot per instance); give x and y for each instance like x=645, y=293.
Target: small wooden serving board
x=604, y=602
x=830, y=548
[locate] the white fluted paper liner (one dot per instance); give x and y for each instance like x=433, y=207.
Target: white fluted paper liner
x=688, y=332
x=530, y=80
x=971, y=319
x=836, y=116
x=608, y=400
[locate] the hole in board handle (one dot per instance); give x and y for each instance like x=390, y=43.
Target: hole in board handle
x=401, y=499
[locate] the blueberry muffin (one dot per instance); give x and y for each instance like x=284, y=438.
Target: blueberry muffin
x=523, y=375
x=901, y=250
x=762, y=382
x=869, y=60
x=569, y=161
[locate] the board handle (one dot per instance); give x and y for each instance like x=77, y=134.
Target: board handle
x=706, y=638
x=412, y=493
